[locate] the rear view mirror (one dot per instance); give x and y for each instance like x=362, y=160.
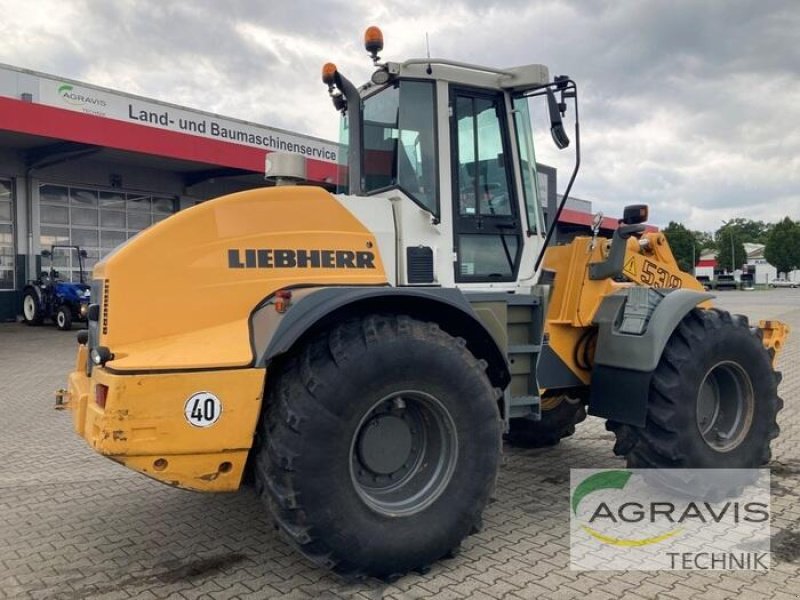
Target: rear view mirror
x=47, y=253
x=83, y=254
x=560, y=137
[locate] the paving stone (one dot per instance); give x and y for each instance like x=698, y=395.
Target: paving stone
x=74, y=525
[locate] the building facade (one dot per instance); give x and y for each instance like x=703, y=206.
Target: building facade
x=761, y=270
x=87, y=166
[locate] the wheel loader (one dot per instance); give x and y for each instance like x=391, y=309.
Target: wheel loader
x=359, y=356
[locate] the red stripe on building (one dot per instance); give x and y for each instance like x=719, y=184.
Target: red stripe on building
x=576, y=217
x=57, y=123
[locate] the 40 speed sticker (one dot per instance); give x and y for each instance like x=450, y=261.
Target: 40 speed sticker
x=203, y=409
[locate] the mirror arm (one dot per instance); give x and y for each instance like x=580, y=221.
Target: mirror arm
x=355, y=123
x=567, y=84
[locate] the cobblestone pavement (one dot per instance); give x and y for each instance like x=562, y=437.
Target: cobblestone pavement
x=74, y=525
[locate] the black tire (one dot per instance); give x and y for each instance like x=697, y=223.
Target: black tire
x=721, y=356
x=559, y=417
x=313, y=433
x=32, y=312
x=64, y=318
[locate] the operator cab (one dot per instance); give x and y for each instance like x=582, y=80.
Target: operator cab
x=450, y=145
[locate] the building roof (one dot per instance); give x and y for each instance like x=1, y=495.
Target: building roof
x=754, y=251
x=576, y=217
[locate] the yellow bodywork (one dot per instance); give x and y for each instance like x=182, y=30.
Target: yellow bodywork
x=576, y=298
x=142, y=424
x=177, y=322
x=178, y=305
x=775, y=334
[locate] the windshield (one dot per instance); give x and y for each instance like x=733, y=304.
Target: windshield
x=527, y=165
x=399, y=149
x=66, y=263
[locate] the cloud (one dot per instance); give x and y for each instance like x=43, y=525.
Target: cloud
x=691, y=106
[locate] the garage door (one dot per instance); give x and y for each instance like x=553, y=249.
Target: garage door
x=96, y=220
x=6, y=237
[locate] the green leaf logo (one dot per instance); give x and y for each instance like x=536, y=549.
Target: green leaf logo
x=611, y=480
x=64, y=88
x=614, y=480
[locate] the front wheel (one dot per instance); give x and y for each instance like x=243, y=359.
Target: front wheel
x=64, y=318
x=380, y=445
x=713, y=399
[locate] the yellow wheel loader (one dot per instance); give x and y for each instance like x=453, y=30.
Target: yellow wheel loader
x=361, y=354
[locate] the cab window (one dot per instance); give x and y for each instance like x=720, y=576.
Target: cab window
x=400, y=142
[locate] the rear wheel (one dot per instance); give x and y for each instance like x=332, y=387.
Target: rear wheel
x=64, y=318
x=713, y=399
x=560, y=414
x=379, y=446
x=31, y=308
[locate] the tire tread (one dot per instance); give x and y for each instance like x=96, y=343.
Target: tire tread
x=295, y=385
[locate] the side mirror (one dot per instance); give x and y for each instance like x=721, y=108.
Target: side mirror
x=47, y=253
x=635, y=214
x=560, y=137
x=83, y=254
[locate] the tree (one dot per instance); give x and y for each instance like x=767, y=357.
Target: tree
x=685, y=245
x=728, y=240
x=705, y=239
x=783, y=246
x=747, y=230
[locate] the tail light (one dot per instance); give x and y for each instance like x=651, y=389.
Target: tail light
x=100, y=395
x=283, y=298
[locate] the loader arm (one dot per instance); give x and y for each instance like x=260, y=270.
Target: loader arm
x=570, y=330
x=571, y=325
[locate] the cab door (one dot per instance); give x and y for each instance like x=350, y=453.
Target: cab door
x=487, y=227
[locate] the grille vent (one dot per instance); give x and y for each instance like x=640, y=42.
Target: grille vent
x=106, y=289
x=419, y=261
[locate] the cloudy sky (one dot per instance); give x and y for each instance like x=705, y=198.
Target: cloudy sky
x=692, y=106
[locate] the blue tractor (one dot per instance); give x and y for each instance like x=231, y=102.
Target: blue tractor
x=51, y=298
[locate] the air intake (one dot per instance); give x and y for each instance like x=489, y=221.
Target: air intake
x=419, y=264
x=104, y=320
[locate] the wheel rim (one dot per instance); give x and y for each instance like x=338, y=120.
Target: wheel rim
x=29, y=307
x=725, y=406
x=61, y=318
x=403, y=453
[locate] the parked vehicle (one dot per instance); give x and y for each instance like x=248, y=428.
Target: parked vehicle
x=51, y=298
x=725, y=282
x=706, y=281
x=783, y=283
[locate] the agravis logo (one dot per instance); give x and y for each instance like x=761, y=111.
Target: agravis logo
x=603, y=481
x=70, y=96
